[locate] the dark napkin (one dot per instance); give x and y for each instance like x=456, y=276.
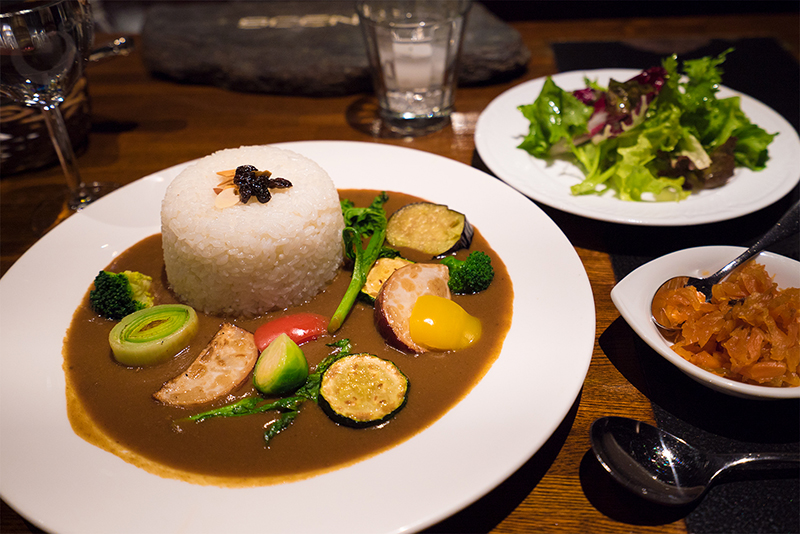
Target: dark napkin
x=762, y=69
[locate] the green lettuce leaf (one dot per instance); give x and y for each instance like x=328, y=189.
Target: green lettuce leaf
x=554, y=116
x=686, y=119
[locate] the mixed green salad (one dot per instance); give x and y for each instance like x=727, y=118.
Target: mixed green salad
x=662, y=132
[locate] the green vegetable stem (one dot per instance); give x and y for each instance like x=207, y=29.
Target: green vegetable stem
x=360, y=224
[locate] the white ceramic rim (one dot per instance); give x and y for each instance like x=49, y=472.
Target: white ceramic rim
x=62, y=484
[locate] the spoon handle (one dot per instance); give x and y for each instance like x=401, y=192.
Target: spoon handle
x=787, y=225
x=765, y=460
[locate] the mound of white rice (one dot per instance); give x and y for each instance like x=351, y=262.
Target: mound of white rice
x=251, y=258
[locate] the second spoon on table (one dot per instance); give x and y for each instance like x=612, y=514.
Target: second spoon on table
x=787, y=225
x=663, y=468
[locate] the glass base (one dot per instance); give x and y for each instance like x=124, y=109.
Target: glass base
x=54, y=210
x=366, y=116
x=88, y=193
x=415, y=127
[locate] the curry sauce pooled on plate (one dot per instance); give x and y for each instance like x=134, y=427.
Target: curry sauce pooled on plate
x=351, y=369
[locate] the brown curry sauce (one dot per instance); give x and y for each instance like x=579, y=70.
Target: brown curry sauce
x=111, y=406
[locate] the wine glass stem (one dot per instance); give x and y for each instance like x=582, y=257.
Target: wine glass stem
x=78, y=193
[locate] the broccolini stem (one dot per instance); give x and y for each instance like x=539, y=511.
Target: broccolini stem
x=249, y=406
x=280, y=424
x=364, y=261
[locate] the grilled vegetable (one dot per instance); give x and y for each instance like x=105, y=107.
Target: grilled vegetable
x=433, y=229
x=379, y=273
x=362, y=390
x=397, y=297
x=281, y=368
x=438, y=323
x=224, y=364
x=153, y=335
x=288, y=407
x=300, y=327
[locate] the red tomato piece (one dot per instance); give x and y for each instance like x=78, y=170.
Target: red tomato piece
x=300, y=327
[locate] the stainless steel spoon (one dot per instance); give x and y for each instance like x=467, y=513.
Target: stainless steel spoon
x=663, y=468
x=787, y=225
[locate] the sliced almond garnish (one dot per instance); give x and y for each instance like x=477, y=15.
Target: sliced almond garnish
x=228, y=180
x=226, y=198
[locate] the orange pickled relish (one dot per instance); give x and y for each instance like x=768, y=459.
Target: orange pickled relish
x=750, y=331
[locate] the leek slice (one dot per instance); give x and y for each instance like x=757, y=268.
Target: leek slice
x=153, y=335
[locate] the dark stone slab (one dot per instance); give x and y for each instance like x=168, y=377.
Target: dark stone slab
x=305, y=48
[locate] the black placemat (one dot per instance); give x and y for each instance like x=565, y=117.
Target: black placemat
x=762, y=69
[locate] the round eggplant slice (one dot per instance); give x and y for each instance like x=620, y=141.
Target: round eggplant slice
x=362, y=390
x=397, y=297
x=431, y=228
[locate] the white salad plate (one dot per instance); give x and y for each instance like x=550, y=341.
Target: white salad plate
x=61, y=483
x=633, y=294
x=501, y=128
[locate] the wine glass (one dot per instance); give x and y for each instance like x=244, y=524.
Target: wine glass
x=44, y=46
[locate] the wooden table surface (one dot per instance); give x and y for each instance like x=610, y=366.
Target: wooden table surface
x=143, y=125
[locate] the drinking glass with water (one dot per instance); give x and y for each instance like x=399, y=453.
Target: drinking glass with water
x=413, y=49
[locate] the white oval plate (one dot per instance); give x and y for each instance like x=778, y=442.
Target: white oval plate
x=501, y=127
x=633, y=294
x=62, y=484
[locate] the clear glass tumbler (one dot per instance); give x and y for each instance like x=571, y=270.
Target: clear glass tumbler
x=413, y=48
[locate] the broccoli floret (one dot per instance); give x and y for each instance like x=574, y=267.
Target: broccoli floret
x=472, y=275
x=116, y=295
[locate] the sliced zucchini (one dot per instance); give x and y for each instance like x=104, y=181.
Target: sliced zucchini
x=362, y=390
x=380, y=272
x=433, y=229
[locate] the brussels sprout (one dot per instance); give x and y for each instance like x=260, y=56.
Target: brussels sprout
x=281, y=368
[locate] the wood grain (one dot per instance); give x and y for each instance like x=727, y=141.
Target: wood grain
x=142, y=125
